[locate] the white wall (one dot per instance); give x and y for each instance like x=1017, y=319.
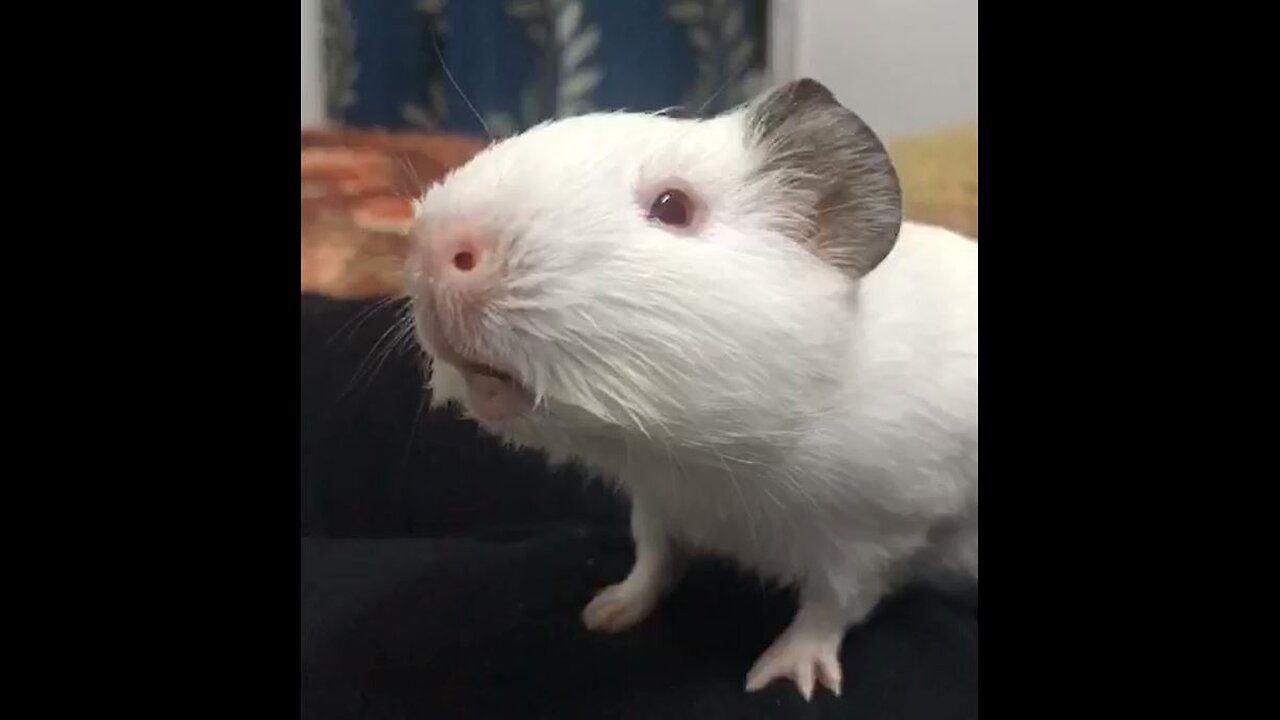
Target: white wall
x=312, y=70
x=905, y=66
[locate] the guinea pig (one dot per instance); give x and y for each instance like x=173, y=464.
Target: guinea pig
x=729, y=319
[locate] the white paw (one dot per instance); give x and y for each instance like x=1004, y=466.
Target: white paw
x=619, y=607
x=802, y=659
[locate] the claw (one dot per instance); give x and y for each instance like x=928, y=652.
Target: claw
x=829, y=674
x=800, y=660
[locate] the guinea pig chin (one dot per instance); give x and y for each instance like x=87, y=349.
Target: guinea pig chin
x=493, y=394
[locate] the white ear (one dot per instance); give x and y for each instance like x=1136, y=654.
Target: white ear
x=832, y=162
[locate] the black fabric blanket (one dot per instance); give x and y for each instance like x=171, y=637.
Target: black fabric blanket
x=443, y=577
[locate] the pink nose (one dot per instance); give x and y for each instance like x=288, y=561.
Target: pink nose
x=460, y=263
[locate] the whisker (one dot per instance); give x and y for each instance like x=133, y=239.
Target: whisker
x=445, y=66
x=412, y=173
x=723, y=86
x=362, y=317
x=382, y=349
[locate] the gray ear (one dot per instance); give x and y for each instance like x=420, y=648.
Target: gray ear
x=835, y=168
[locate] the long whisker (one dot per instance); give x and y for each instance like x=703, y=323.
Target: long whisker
x=412, y=176
x=443, y=65
x=387, y=344
x=723, y=86
x=362, y=317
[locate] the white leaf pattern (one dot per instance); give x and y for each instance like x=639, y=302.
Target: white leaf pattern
x=573, y=88
x=685, y=12
x=529, y=112
x=340, y=66
x=579, y=48
x=524, y=9
x=434, y=115
x=536, y=18
x=568, y=19
x=723, y=50
x=418, y=117
x=565, y=43
x=501, y=124
x=576, y=79
x=574, y=108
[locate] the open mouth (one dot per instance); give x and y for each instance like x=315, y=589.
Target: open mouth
x=487, y=371
x=494, y=395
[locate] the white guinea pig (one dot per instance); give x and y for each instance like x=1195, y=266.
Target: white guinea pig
x=729, y=319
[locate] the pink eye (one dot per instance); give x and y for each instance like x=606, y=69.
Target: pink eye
x=672, y=208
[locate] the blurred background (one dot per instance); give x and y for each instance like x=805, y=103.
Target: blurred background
x=382, y=115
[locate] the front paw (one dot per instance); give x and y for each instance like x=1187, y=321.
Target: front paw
x=801, y=658
x=619, y=607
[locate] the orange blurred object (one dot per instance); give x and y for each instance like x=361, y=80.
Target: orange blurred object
x=357, y=204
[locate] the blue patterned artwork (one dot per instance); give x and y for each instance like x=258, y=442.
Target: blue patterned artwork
x=394, y=64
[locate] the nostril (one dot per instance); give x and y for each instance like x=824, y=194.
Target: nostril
x=457, y=256
x=464, y=260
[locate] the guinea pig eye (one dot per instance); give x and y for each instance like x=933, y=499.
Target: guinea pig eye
x=673, y=208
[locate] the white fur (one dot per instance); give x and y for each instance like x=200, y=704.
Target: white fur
x=752, y=400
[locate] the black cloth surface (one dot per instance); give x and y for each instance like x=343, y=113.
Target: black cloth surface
x=443, y=577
